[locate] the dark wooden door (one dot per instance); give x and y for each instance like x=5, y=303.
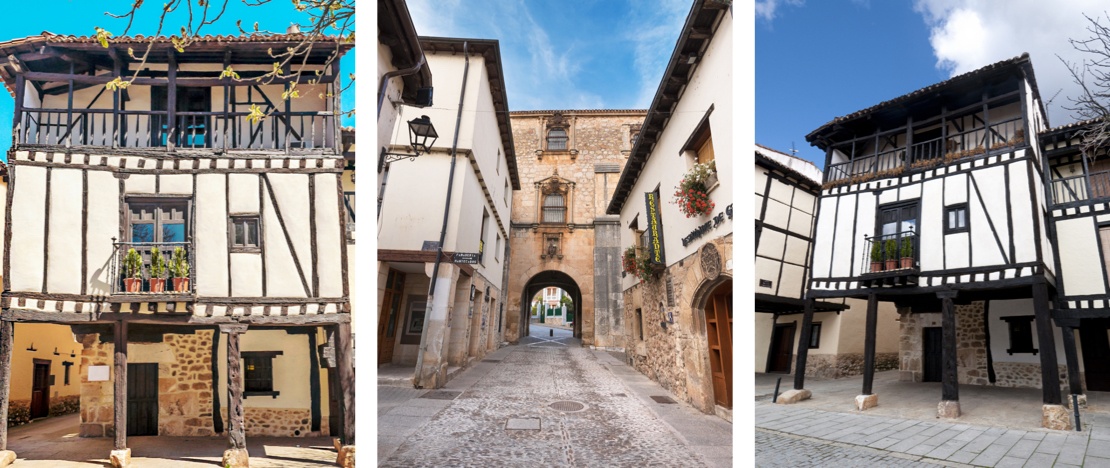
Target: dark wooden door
x=932, y=347
x=718, y=324
x=1096, y=347
x=389, y=313
x=782, y=348
x=334, y=415
x=40, y=389
x=142, y=399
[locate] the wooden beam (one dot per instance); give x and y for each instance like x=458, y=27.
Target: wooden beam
x=183, y=82
x=803, y=346
x=1050, y=372
x=1072, y=357
x=950, y=386
x=119, y=397
x=171, y=100
x=237, y=436
x=344, y=350
x=869, y=343
x=7, y=330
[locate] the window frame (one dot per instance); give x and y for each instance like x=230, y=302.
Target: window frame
x=954, y=208
x=565, y=139
x=259, y=357
x=815, y=335
x=1022, y=324
x=247, y=218
x=544, y=208
x=408, y=335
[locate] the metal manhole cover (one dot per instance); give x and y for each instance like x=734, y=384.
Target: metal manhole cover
x=663, y=399
x=619, y=395
x=568, y=406
x=441, y=395
x=491, y=360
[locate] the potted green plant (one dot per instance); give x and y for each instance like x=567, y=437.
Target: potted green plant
x=907, y=252
x=157, y=271
x=179, y=267
x=133, y=271
x=876, y=257
x=891, y=249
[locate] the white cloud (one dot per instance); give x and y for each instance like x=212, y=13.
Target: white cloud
x=766, y=9
x=654, y=29
x=968, y=34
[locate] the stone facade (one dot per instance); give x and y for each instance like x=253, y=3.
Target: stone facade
x=835, y=366
x=280, y=422
x=971, y=351
x=587, y=245
x=675, y=354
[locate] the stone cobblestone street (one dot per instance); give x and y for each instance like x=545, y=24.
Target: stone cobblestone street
x=573, y=406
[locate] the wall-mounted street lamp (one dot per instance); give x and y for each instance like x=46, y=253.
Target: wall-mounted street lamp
x=422, y=135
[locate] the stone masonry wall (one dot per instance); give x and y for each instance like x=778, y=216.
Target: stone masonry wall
x=277, y=422
x=835, y=366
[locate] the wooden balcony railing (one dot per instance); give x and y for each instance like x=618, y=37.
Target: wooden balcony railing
x=1075, y=188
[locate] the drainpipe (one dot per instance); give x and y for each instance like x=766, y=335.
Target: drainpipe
x=451, y=174
x=393, y=74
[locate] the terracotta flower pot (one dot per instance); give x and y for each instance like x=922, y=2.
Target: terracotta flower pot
x=181, y=284
x=876, y=267
x=157, y=285
x=891, y=264
x=907, y=262
x=133, y=285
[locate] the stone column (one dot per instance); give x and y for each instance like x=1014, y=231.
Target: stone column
x=121, y=455
x=431, y=361
x=1054, y=415
x=949, y=406
x=868, y=399
x=7, y=457
x=236, y=455
x=608, y=301
x=1067, y=327
x=799, y=392
x=344, y=349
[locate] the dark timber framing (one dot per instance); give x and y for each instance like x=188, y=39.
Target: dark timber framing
x=803, y=346
x=869, y=343
x=950, y=386
x=119, y=397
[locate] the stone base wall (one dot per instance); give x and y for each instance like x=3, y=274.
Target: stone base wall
x=19, y=412
x=96, y=397
x=971, y=352
x=835, y=366
x=277, y=422
x=69, y=404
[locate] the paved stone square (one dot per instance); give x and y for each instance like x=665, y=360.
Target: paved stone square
x=593, y=411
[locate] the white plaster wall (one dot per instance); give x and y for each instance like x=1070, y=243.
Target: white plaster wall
x=985, y=247
x=865, y=225
x=243, y=190
x=764, y=328
x=103, y=225
x=931, y=241
x=176, y=184
x=419, y=183
x=211, y=270
x=291, y=193
x=64, y=263
x=822, y=251
x=28, y=205
x=1081, y=269
x=139, y=183
x=246, y=280
x=1024, y=247
x=842, y=252
x=1000, y=333
x=329, y=236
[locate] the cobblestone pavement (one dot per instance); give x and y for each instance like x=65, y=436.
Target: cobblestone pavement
x=53, y=443
x=948, y=443
x=778, y=449
x=615, y=426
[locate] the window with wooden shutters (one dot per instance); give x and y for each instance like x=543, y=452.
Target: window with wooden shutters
x=554, y=208
x=258, y=373
x=244, y=234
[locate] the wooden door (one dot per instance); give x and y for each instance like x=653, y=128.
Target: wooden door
x=718, y=324
x=388, y=317
x=932, y=354
x=142, y=399
x=782, y=348
x=1096, y=346
x=334, y=415
x=40, y=389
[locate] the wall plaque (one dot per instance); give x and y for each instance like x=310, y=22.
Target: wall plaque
x=710, y=261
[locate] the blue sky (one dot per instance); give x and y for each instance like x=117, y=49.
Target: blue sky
x=585, y=54
x=818, y=60
x=80, y=17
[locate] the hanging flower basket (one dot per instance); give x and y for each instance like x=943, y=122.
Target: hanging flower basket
x=640, y=266
x=692, y=196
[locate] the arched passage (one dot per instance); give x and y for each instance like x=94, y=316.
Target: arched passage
x=550, y=278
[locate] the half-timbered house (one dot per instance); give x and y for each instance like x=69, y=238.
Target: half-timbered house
x=674, y=199
x=935, y=200
x=197, y=251
x=786, y=191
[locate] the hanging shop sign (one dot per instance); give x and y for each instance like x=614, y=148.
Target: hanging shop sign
x=655, y=229
x=708, y=226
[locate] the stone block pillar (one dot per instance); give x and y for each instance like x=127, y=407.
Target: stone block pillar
x=121, y=455
x=608, y=302
x=236, y=455
x=7, y=457
x=949, y=406
x=431, y=361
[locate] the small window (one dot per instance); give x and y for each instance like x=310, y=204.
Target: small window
x=557, y=139
x=700, y=143
x=554, y=208
x=508, y=192
x=815, y=335
x=1021, y=334
x=244, y=234
x=497, y=249
x=482, y=238
x=640, y=323
x=258, y=373
x=67, y=365
x=955, y=218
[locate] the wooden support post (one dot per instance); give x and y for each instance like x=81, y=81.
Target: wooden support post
x=117, y=71
x=6, y=332
x=171, y=101
x=69, y=110
x=237, y=437
x=17, y=116
x=869, y=343
x=803, y=346
x=950, y=385
x=345, y=367
x=1050, y=372
x=1068, y=331
x=119, y=397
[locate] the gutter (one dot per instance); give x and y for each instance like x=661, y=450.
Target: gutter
x=451, y=174
x=395, y=73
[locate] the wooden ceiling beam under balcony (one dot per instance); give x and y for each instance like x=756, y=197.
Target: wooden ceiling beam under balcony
x=141, y=81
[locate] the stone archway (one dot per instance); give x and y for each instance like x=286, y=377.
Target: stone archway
x=545, y=279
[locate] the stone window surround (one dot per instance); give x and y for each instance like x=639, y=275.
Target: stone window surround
x=561, y=122
x=552, y=185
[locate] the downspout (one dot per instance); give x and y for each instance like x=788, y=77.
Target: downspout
x=393, y=74
x=451, y=174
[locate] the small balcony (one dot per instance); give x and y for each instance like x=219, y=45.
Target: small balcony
x=890, y=260
x=1081, y=188
x=144, y=289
